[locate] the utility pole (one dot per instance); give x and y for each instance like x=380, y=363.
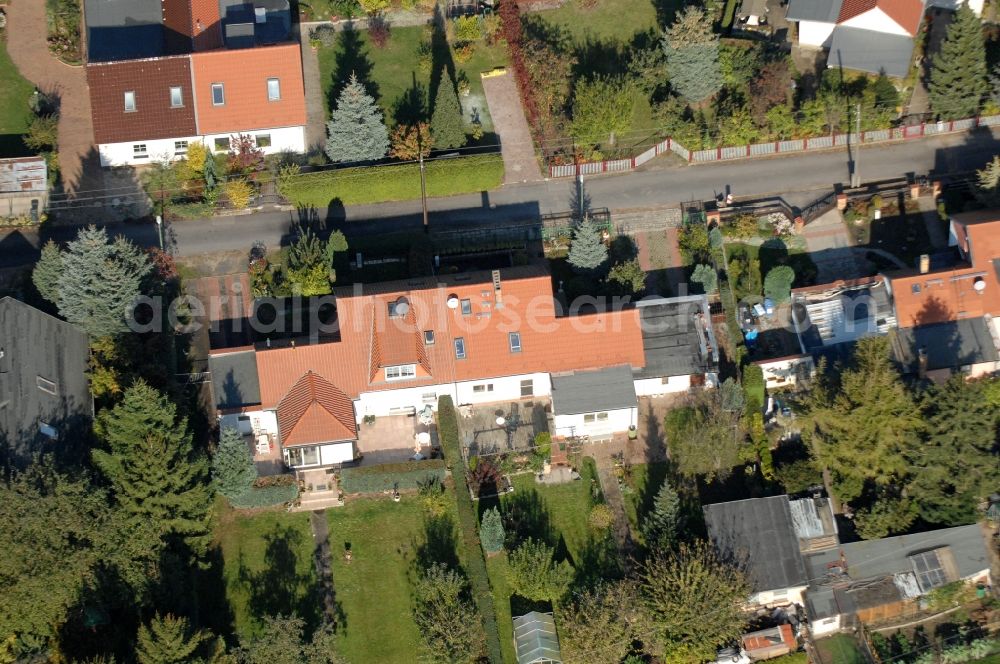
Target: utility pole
x=423, y=178
x=856, y=172
x=159, y=229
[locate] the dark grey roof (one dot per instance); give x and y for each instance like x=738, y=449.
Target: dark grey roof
x=676, y=340
x=870, y=51
x=759, y=533
x=593, y=391
x=123, y=29
x=948, y=345
x=882, y=557
x=824, y=11
x=535, y=638
x=43, y=381
x=235, y=383
x=752, y=8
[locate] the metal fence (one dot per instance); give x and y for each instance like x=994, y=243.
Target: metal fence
x=776, y=147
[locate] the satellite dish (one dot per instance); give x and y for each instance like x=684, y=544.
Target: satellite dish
x=979, y=285
x=402, y=307
x=452, y=302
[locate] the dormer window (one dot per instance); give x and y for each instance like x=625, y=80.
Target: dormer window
x=401, y=372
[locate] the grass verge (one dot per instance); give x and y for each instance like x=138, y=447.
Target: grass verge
x=396, y=182
x=15, y=116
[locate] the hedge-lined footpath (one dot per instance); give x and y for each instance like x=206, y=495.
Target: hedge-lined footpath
x=376, y=479
x=396, y=182
x=448, y=433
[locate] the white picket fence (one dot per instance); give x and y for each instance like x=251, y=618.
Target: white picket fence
x=770, y=147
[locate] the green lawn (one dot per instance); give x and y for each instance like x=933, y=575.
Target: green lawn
x=840, y=649
x=617, y=21
x=15, y=116
x=373, y=589
x=794, y=658
x=395, y=75
x=268, y=567
x=558, y=514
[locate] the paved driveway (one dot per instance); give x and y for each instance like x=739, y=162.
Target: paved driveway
x=511, y=126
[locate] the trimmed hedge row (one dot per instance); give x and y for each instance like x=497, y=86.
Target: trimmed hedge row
x=449, y=436
x=396, y=182
x=265, y=496
x=376, y=479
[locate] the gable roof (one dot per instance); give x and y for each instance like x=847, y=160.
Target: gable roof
x=523, y=305
x=314, y=411
x=906, y=13
x=759, y=532
x=535, y=638
x=592, y=391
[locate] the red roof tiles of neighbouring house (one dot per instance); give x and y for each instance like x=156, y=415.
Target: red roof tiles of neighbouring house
x=524, y=307
x=314, y=411
x=907, y=13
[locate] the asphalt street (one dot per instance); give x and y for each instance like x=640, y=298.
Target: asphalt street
x=798, y=179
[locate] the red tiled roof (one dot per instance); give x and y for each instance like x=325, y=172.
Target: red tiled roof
x=244, y=73
x=907, y=13
x=549, y=344
x=151, y=81
x=770, y=638
x=314, y=411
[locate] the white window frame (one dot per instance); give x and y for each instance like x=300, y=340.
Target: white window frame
x=529, y=387
x=130, y=105
x=460, y=350
x=275, y=93
x=47, y=386
x=514, y=340
x=593, y=418
x=180, y=147
x=428, y=337
x=215, y=144
x=401, y=372
x=429, y=397
x=266, y=137
x=482, y=388
x=177, y=102
x=138, y=153
x=467, y=307
x=300, y=454
x=222, y=92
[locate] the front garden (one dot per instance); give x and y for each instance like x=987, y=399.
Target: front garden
x=15, y=113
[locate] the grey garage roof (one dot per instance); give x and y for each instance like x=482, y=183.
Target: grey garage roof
x=823, y=11
x=235, y=383
x=677, y=337
x=123, y=29
x=759, y=533
x=535, y=639
x=870, y=51
x=593, y=391
x=948, y=345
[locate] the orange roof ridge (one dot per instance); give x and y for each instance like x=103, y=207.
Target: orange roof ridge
x=315, y=411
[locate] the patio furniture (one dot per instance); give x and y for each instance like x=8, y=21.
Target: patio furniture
x=423, y=438
x=426, y=415
x=263, y=444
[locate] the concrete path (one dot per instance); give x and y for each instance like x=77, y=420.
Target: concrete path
x=603, y=456
x=511, y=126
x=323, y=562
x=829, y=244
x=932, y=221
x=315, y=108
x=26, y=43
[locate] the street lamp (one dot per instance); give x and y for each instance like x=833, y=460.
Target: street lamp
x=159, y=229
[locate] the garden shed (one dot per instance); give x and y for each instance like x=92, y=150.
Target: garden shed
x=594, y=403
x=535, y=639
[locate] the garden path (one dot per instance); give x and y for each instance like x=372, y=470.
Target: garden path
x=26, y=42
x=324, y=565
x=603, y=454
x=511, y=126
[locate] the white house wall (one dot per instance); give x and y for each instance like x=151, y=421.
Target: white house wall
x=783, y=372
x=779, y=597
x=283, y=139
x=336, y=453
x=824, y=626
x=815, y=33
x=878, y=21
x=573, y=425
x=654, y=387
x=255, y=421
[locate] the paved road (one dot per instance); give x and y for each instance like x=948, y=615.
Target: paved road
x=799, y=179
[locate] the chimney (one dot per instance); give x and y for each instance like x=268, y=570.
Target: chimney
x=922, y=362
x=497, y=295
x=925, y=263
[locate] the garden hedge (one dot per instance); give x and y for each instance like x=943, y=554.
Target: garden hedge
x=449, y=436
x=376, y=479
x=266, y=496
x=396, y=182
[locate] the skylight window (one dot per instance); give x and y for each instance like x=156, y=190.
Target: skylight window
x=130, y=101
x=218, y=94
x=460, y=348
x=515, y=342
x=273, y=89
x=176, y=97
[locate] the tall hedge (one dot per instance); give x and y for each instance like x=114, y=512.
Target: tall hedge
x=376, y=479
x=448, y=433
x=396, y=182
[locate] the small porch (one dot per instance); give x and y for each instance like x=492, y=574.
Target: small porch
x=397, y=438
x=317, y=489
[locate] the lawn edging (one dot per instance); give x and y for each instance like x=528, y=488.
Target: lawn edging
x=396, y=182
x=478, y=577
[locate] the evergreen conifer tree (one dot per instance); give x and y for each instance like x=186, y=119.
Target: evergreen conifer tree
x=100, y=281
x=356, y=128
x=48, y=272
x=663, y=524
x=446, y=123
x=233, y=471
x=157, y=478
x=167, y=640
x=587, y=252
x=692, y=50
x=491, y=531
x=959, y=78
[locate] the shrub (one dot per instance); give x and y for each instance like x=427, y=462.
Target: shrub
x=376, y=479
x=778, y=283
x=265, y=496
x=476, y=563
x=464, y=52
x=43, y=133
x=238, y=192
x=543, y=443
x=379, y=31
x=467, y=29
x=600, y=518
x=753, y=385
x=397, y=182
x=491, y=531
x=323, y=35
